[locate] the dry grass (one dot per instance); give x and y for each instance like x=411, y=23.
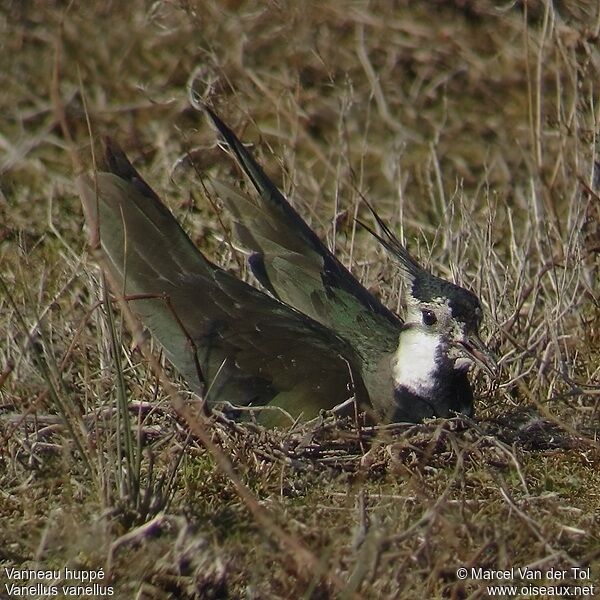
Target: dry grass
x=472, y=128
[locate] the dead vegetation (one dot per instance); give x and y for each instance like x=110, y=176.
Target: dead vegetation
x=473, y=129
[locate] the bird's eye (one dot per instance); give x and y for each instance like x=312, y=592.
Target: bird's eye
x=429, y=317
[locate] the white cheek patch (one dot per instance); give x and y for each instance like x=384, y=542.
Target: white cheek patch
x=415, y=362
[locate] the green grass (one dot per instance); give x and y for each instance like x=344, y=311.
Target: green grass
x=472, y=128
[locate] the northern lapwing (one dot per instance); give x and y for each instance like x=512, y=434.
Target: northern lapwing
x=315, y=337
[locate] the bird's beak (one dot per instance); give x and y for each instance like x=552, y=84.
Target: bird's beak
x=474, y=347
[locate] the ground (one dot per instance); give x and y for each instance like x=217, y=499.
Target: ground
x=472, y=127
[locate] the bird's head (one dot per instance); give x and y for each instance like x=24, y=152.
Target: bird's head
x=441, y=326
x=448, y=313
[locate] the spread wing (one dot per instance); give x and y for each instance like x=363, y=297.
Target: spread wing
x=292, y=262
x=251, y=348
